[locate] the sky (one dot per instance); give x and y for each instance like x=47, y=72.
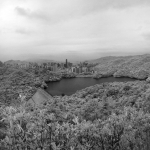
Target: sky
x=73, y=29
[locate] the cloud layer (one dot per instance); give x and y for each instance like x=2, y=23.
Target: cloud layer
x=82, y=28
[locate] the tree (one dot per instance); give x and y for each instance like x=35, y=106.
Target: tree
x=1, y=64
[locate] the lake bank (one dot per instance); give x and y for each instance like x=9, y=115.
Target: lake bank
x=84, y=76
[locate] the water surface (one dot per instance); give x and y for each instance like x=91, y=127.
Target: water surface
x=70, y=86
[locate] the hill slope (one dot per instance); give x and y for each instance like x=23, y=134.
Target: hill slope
x=128, y=66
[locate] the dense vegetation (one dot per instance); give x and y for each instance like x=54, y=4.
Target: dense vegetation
x=18, y=81
x=15, y=82
x=1, y=64
x=129, y=66
x=108, y=116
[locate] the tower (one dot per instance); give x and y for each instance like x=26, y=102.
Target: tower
x=66, y=63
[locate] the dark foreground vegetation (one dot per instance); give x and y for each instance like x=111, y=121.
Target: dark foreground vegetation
x=108, y=116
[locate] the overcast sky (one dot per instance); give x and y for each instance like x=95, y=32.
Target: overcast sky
x=73, y=29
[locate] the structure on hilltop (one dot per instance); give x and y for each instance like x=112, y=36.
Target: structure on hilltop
x=39, y=98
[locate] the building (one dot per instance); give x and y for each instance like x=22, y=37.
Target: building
x=69, y=64
x=77, y=70
x=80, y=70
x=66, y=63
x=85, y=69
x=73, y=69
x=62, y=65
x=55, y=68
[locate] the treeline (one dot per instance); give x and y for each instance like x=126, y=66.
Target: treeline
x=108, y=116
x=1, y=64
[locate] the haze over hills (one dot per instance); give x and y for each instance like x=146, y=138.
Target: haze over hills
x=16, y=62
x=108, y=58
x=39, y=60
x=101, y=60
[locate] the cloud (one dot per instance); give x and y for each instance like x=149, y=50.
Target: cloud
x=146, y=36
x=56, y=11
x=71, y=27
x=23, y=31
x=31, y=14
x=22, y=11
x=118, y=4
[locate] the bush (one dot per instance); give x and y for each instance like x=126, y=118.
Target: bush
x=112, y=92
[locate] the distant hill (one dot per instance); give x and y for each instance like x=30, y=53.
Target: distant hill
x=16, y=62
x=108, y=58
x=39, y=60
x=127, y=66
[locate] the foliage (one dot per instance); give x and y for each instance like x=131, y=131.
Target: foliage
x=128, y=66
x=40, y=129
x=69, y=75
x=1, y=64
x=22, y=82
x=109, y=116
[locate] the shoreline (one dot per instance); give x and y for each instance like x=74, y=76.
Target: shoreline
x=84, y=76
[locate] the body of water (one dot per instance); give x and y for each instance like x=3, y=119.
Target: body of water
x=70, y=86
